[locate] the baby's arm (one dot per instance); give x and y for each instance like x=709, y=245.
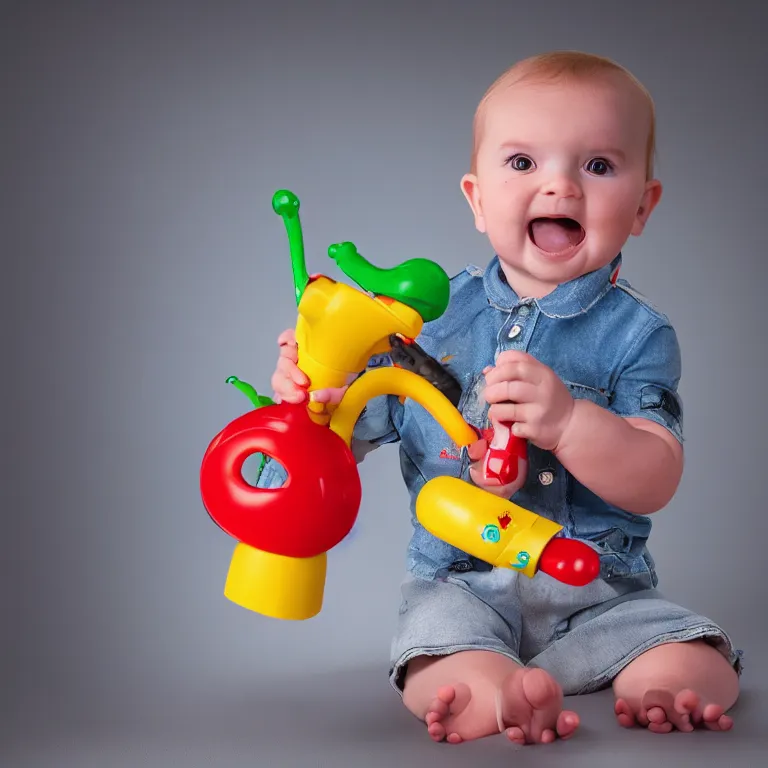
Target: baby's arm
x=632, y=463
x=631, y=455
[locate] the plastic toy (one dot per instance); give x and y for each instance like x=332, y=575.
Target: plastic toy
x=279, y=564
x=501, y=532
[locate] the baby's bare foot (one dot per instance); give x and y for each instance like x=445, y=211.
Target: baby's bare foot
x=531, y=708
x=450, y=702
x=661, y=711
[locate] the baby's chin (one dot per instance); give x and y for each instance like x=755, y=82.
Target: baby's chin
x=532, y=273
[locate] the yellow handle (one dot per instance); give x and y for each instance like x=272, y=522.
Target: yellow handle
x=486, y=526
x=396, y=381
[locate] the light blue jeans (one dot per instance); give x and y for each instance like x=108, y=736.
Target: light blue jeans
x=582, y=636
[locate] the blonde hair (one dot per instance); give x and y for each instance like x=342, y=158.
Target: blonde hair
x=575, y=65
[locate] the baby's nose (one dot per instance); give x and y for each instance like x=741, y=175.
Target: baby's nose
x=561, y=185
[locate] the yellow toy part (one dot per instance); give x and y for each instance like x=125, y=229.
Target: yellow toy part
x=396, y=381
x=485, y=526
x=339, y=329
x=276, y=585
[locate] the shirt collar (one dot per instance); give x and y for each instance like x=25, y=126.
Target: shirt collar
x=567, y=300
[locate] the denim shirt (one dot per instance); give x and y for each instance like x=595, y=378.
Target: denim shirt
x=605, y=341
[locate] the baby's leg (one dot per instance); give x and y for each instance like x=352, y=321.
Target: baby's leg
x=471, y=694
x=677, y=686
x=454, y=662
x=665, y=676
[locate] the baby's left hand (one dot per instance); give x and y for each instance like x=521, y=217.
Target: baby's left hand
x=528, y=393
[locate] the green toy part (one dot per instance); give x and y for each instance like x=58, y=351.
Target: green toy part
x=286, y=205
x=418, y=283
x=259, y=401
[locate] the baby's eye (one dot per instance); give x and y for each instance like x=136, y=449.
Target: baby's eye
x=598, y=166
x=520, y=162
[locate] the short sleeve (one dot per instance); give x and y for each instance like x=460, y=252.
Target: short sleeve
x=647, y=385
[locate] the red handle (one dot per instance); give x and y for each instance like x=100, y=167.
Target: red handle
x=506, y=459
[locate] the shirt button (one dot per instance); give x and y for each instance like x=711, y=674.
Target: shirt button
x=546, y=478
x=514, y=331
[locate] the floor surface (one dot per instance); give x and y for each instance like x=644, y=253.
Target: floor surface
x=349, y=720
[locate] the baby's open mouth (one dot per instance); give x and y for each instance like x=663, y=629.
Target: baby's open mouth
x=556, y=234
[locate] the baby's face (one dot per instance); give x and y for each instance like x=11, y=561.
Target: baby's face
x=561, y=179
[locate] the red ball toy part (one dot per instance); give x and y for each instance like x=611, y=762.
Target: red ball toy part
x=314, y=509
x=570, y=561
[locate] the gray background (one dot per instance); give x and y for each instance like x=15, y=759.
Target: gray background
x=142, y=264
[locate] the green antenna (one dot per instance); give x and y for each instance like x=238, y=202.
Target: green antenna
x=286, y=205
x=257, y=400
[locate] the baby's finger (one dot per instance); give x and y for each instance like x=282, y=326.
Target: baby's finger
x=286, y=342
x=286, y=391
x=288, y=352
x=290, y=370
x=515, y=356
x=285, y=384
x=331, y=395
x=510, y=391
x=477, y=450
x=509, y=413
x=477, y=477
x=514, y=371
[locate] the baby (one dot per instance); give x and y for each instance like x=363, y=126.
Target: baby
x=547, y=338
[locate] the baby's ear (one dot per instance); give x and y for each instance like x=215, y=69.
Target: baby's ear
x=472, y=194
x=649, y=201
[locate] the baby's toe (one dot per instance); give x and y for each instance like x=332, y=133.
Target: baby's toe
x=567, y=724
x=436, y=731
x=686, y=702
x=624, y=714
x=665, y=711
x=516, y=735
x=547, y=736
x=657, y=716
x=714, y=719
x=438, y=709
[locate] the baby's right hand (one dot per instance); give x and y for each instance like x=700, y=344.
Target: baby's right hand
x=289, y=383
